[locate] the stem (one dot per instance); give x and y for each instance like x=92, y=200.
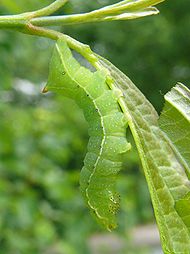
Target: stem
x=32, y=22
x=99, y=15
x=20, y=20
x=12, y=21
x=48, y=9
x=64, y=20
x=81, y=48
x=40, y=17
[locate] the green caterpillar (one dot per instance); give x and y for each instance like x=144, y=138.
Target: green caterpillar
x=107, y=130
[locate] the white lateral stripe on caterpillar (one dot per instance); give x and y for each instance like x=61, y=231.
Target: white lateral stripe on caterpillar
x=103, y=140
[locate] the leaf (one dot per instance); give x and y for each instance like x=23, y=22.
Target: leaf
x=133, y=15
x=182, y=206
x=127, y=9
x=165, y=175
x=175, y=122
x=132, y=5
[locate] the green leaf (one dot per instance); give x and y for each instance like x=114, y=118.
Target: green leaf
x=182, y=206
x=124, y=10
x=167, y=181
x=175, y=122
x=133, y=15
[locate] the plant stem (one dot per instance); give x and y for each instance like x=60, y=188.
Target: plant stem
x=12, y=21
x=48, y=9
x=20, y=20
x=99, y=15
x=40, y=17
x=32, y=22
x=64, y=20
x=81, y=48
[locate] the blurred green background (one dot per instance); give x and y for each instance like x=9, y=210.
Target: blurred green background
x=43, y=138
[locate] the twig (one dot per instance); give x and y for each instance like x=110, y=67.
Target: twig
x=46, y=11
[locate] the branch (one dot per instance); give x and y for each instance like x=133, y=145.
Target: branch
x=127, y=9
x=123, y=10
x=81, y=48
x=12, y=21
x=46, y=11
x=20, y=20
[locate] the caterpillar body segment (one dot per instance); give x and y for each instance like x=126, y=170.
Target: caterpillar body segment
x=107, y=130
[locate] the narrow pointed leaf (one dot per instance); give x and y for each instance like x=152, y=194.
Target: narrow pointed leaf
x=127, y=9
x=133, y=15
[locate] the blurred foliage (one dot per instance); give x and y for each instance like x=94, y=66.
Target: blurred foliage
x=18, y=6
x=43, y=138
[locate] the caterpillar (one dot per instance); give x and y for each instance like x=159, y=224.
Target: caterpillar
x=107, y=130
